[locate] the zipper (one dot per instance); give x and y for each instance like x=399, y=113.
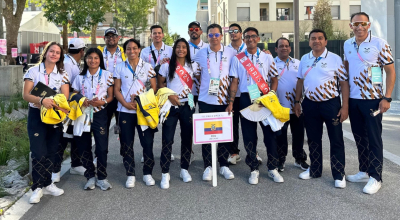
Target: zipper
x=92, y=82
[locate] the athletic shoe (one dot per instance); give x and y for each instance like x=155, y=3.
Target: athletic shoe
x=301, y=164
x=372, y=186
x=207, y=174
x=55, y=177
x=172, y=157
x=185, y=176
x=90, y=183
x=305, y=175
x=77, y=170
x=53, y=190
x=234, y=158
x=142, y=160
x=274, y=174
x=103, y=184
x=165, y=181
x=341, y=183
x=281, y=167
x=358, y=178
x=253, y=179
x=130, y=182
x=226, y=172
x=36, y=195
x=148, y=179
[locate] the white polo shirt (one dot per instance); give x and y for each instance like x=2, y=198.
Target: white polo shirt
x=56, y=79
x=90, y=85
x=110, y=61
x=322, y=81
x=376, y=52
x=71, y=67
x=242, y=48
x=193, y=53
x=164, y=52
x=287, y=81
x=205, y=77
x=176, y=84
x=133, y=85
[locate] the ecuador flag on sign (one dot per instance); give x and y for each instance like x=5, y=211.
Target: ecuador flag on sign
x=213, y=127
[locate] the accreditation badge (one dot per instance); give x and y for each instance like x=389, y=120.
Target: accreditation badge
x=254, y=92
x=214, y=86
x=376, y=76
x=191, y=100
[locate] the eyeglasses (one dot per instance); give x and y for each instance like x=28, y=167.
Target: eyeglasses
x=234, y=31
x=212, y=35
x=111, y=36
x=358, y=23
x=247, y=37
x=194, y=29
x=284, y=46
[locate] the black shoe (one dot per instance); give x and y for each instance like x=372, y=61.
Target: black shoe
x=281, y=167
x=301, y=164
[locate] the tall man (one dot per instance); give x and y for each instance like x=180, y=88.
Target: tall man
x=245, y=82
x=72, y=60
x=365, y=58
x=287, y=69
x=323, y=77
x=214, y=62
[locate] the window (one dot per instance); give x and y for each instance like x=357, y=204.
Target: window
x=289, y=36
x=309, y=15
x=204, y=7
x=335, y=12
x=263, y=14
x=243, y=13
x=282, y=14
x=355, y=9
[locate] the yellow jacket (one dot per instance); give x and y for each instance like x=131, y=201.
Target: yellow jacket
x=147, y=109
x=76, y=105
x=53, y=116
x=120, y=48
x=271, y=102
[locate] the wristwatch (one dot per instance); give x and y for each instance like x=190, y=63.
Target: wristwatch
x=105, y=100
x=387, y=99
x=296, y=101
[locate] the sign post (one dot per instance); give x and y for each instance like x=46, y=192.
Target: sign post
x=212, y=128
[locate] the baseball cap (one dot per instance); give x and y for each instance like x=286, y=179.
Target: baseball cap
x=76, y=43
x=111, y=30
x=195, y=23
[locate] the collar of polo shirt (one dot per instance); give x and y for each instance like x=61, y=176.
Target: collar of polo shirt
x=323, y=55
x=211, y=51
x=277, y=59
x=368, y=39
x=42, y=68
x=89, y=75
x=154, y=48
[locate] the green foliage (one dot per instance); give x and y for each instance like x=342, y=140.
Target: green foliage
x=323, y=18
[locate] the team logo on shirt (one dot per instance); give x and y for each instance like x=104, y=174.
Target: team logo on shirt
x=366, y=50
x=127, y=77
x=295, y=67
x=324, y=65
x=224, y=59
x=141, y=74
x=349, y=52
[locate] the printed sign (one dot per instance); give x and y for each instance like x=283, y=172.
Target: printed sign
x=14, y=52
x=212, y=128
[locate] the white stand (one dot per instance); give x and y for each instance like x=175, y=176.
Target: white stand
x=214, y=163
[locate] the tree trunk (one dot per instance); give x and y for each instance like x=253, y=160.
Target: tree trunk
x=93, y=35
x=65, y=37
x=116, y=13
x=12, y=25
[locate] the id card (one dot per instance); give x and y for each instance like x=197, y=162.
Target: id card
x=254, y=92
x=191, y=100
x=214, y=86
x=376, y=75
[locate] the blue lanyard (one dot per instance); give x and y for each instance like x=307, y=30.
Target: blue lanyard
x=130, y=68
x=195, y=46
x=241, y=47
x=97, y=87
x=258, y=56
x=316, y=61
x=220, y=64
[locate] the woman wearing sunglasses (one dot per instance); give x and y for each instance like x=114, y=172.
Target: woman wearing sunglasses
x=179, y=77
x=96, y=84
x=44, y=138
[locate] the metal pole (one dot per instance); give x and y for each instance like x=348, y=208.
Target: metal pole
x=223, y=8
x=396, y=94
x=214, y=163
x=296, y=30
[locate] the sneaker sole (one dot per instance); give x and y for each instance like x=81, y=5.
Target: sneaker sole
x=49, y=193
x=89, y=188
x=358, y=181
x=190, y=180
x=104, y=189
x=149, y=184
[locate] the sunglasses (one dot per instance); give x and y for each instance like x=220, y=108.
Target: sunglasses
x=212, y=35
x=194, y=29
x=362, y=23
x=233, y=31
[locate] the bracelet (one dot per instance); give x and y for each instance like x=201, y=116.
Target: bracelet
x=41, y=101
x=295, y=101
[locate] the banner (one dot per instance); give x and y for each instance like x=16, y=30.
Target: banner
x=14, y=52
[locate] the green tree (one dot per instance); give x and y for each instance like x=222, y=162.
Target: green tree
x=175, y=36
x=323, y=18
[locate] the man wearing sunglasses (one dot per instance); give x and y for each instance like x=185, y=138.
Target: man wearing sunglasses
x=366, y=56
x=213, y=74
x=243, y=81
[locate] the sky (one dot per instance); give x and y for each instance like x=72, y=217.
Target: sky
x=182, y=12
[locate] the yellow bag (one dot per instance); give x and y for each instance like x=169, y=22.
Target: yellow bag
x=271, y=102
x=147, y=109
x=54, y=116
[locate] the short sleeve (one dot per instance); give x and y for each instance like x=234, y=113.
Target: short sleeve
x=164, y=69
x=273, y=71
x=65, y=78
x=76, y=84
x=151, y=73
x=110, y=80
x=29, y=75
x=234, y=68
x=385, y=53
x=344, y=57
x=142, y=55
x=195, y=68
x=341, y=71
x=117, y=72
x=300, y=71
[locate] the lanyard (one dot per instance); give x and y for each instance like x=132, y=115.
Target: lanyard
x=72, y=60
x=21, y=59
x=97, y=87
x=220, y=63
x=314, y=64
x=194, y=45
x=287, y=66
x=115, y=58
x=241, y=48
x=46, y=76
x=359, y=56
x=159, y=55
x=133, y=73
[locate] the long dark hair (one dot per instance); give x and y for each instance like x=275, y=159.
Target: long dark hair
x=172, y=63
x=60, y=62
x=88, y=52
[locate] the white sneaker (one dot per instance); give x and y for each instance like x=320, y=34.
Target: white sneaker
x=253, y=179
x=142, y=160
x=305, y=175
x=172, y=157
x=55, y=177
x=274, y=174
x=372, y=186
x=103, y=184
x=359, y=177
x=207, y=174
x=130, y=182
x=233, y=159
x=90, y=184
x=259, y=159
x=95, y=162
x=36, y=195
x=185, y=176
x=148, y=179
x=53, y=190
x=77, y=170
x=341, y=183
x=226, y=172
x=165, y=181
